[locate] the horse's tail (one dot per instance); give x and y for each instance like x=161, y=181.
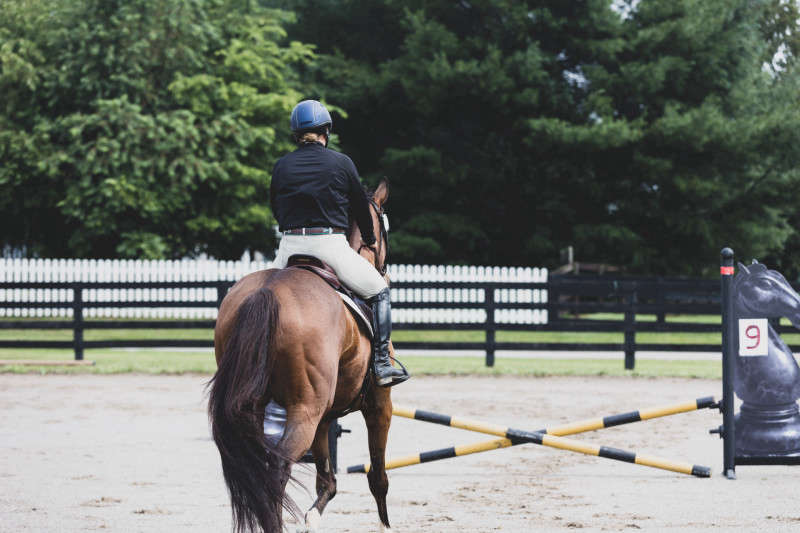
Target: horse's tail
x=252, y=465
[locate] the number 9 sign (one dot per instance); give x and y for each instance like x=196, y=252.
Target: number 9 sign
x=753, y=337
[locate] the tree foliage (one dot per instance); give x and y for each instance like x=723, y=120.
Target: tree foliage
x=647, y=134
x=142, y=128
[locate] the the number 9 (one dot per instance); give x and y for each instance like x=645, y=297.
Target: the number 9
x=753, y=332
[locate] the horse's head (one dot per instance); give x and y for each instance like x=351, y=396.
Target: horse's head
x=379, y=252
x=765, y=293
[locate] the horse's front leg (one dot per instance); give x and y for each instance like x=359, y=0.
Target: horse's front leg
x=326, y=477
x=377, y=413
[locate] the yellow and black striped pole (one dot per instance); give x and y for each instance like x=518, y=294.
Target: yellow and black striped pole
x=436, y=455
x=549, y=437
x=567, y=429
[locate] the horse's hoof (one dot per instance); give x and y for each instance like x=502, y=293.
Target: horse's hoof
x=313, y=519
x=384, y=529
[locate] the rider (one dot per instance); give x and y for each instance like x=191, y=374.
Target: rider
x=314, y=191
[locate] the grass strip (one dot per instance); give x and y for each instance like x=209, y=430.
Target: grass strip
x=400, y=335
x=120, y=361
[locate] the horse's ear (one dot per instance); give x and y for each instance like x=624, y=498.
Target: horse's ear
x=381, y=194
x=744, y=268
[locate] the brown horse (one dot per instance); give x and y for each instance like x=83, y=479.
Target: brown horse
x=285, y=335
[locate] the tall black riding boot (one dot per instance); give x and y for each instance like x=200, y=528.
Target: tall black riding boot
x=385, y=374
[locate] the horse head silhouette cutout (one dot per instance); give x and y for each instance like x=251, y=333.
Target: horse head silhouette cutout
x=764, y=293
x=769, y=386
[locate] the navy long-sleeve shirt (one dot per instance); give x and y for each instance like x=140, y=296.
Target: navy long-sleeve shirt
x=317, y=187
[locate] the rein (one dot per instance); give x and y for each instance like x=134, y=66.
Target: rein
x=382, y=241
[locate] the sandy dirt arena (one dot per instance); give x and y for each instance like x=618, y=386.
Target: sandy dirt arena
x=133, y=453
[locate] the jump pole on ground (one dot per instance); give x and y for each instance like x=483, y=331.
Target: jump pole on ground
x=550, y=437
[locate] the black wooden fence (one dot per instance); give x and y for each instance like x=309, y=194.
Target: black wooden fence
x=574, y=304
x=78, y=324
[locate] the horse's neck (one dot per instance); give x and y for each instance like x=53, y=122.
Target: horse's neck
x=354, y=236
x=354, y=239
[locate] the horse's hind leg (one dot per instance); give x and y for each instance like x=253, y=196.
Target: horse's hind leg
x=326, y=477
x=296, y=440
x=377, y=413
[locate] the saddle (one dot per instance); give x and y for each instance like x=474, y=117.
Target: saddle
x=357, y=306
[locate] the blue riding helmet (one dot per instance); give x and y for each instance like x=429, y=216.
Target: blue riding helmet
x=310, y=115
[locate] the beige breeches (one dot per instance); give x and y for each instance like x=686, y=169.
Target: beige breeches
x=353, y=270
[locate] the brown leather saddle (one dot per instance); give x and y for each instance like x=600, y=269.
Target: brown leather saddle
x=324, y=271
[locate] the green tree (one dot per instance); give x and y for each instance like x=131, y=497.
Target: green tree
x=780, y=26
x=439, y=101
x=142, y=128
x=646, y=135
x=714, y=158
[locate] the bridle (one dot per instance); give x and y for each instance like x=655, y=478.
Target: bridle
x=383, y=241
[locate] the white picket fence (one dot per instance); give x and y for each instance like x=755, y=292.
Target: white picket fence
x=451, y=273
x=116, y=270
